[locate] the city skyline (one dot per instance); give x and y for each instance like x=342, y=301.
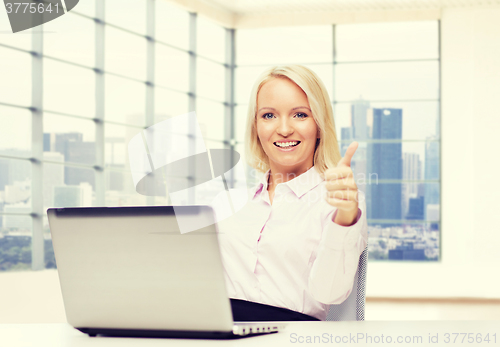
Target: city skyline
x=380, y=154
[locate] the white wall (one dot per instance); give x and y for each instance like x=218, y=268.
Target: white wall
x=470, y=51
x=31, y=297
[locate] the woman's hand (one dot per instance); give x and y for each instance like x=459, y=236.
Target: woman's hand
x=342, y=191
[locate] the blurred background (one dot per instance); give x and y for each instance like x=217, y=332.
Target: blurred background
x=414, y=82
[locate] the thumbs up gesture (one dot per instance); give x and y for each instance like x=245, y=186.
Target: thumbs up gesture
x=342, y=191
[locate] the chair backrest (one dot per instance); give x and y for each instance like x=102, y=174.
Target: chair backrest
x=353, y=308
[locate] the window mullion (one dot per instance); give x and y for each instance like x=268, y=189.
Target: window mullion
x=100, y=180
x=150, y=72
x=37, y=242
x=334, y=59
x=192, y=101
x=229, y=86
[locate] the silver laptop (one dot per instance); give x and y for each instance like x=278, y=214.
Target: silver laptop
x=129, y=271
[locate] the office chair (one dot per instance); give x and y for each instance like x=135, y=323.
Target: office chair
x=353, y=308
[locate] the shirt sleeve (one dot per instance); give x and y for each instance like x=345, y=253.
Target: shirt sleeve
x=332, y=274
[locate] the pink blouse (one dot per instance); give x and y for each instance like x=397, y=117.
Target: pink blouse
x=302, y=260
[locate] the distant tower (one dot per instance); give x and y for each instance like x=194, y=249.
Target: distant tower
x=431, y=190
x=73, y=148
x=385, y=160
x=53, y=175
x=346, y=137
x=416, y=208
x=431, y=172
x=73, y=196
x=359, y=131
x=359, y=112
x=412, y=167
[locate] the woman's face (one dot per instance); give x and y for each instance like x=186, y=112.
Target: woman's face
x=285, y=126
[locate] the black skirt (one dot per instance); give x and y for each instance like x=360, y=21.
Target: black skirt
x=247, y=311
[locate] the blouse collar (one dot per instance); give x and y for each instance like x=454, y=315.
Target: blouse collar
x=299, y=185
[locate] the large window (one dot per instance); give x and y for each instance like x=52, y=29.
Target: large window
x=383, y=80
x=74, y=91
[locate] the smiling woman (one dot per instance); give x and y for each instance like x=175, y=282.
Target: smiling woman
x=294, y=248
x=287, y=130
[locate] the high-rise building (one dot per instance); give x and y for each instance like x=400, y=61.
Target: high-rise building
x=79, y=152
x=416, y=208
x=345, y=135
x=14, y=169
x=346, y=138
x=74, y=150
x=2, y=204
x=114, y=180
x=115, y=157
x=15, y=187
x=18, y=192
x=412, y=167
x=359, y=131
x=359, y=124
x=13, y=218
x=73, y=196
x=4, y=173
x=53, y=175
x=385, y=161
x=61, y=141
x=431, y=172
x=432, y=214
x=47, y=142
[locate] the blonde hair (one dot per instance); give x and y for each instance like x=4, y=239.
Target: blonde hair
x=326, y=153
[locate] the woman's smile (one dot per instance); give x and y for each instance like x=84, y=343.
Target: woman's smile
x=286, y=146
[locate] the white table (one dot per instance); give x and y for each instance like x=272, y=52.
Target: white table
x=59, y=335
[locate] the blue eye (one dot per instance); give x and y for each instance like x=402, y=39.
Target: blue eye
x=301, y=115
x=265, y=115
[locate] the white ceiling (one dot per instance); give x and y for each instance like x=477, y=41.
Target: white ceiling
x=257, y=7
x=262, y=13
